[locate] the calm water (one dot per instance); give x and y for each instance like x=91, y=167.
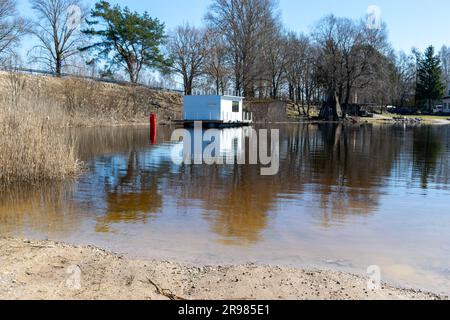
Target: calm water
x=346, y=198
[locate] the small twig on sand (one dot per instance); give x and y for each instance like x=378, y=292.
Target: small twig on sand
x=42, y=246
x=165, y=292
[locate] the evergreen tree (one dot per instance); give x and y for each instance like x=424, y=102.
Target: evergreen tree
x=429, y=86
x=126, y=39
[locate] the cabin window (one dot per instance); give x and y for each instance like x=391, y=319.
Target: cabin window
x=235, y=106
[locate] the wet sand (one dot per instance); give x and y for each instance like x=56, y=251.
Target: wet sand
x=50, y=270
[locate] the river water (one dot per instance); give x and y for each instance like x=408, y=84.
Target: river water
x=345, y=198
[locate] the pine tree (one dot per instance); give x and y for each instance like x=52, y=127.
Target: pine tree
x=429, y=86
x=126, y=39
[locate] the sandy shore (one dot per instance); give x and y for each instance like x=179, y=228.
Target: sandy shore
x=49, y=270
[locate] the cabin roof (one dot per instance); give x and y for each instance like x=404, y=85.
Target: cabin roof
x=218, y=95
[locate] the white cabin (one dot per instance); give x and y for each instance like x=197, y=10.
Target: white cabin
x=215, y=108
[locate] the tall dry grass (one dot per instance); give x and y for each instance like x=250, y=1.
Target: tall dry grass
x=32, y=145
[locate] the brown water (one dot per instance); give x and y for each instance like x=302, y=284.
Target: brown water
x=346, y=198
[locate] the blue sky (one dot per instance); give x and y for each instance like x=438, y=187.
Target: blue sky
x=410, y=23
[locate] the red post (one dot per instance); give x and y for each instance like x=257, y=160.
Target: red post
x=153, y=128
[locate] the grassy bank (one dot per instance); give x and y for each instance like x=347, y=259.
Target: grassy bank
x=91, y=103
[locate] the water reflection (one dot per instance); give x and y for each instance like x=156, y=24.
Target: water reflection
x=133, y=196
x=43, y=209
x=340, y=191
x=427, y=149
x=199, y=146
x=348, y=164
x=340, y=169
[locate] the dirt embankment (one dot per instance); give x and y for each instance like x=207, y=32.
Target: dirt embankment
x=49, y=270
x=87, y=102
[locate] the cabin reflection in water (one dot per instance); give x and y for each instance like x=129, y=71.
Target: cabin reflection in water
x=228, y=145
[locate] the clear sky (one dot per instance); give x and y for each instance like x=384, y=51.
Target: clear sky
x=417, y=23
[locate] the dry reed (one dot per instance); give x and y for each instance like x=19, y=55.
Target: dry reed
x=32, y=145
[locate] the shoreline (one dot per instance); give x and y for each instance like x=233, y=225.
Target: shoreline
x=49, y=270
x=357, y=121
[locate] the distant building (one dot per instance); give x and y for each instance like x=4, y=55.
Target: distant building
x=444, y=107
x=215, y=108
x=446, y=100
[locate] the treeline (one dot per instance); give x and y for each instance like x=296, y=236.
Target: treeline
x=242, y=47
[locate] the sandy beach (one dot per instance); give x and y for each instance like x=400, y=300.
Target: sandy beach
x=50, y=270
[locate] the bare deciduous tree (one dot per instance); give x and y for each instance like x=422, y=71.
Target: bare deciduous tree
x=217, y=61
x=445, y=57
x=274, y=61
x=187, y=50
x=405, y=80
x=301, y=71
x=12, y=27
x=349, y=58
x=329, y=39
x=245, y=26
x=57, y=27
